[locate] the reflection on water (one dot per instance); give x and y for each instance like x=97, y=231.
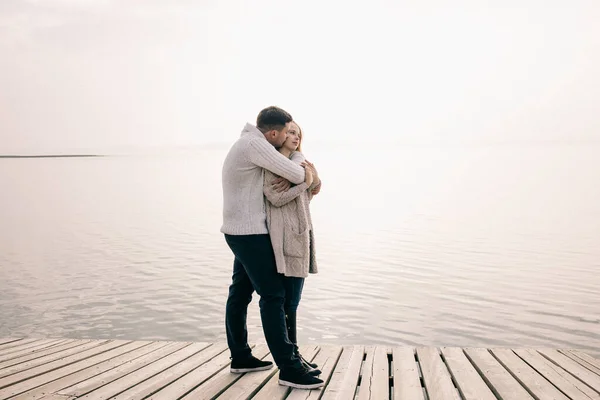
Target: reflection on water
x=473, y=246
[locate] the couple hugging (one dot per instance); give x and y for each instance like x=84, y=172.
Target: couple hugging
x=267, y=188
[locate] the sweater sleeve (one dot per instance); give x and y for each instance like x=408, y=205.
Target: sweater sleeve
x=280, y=199
x=297, y=157
x=264, y=155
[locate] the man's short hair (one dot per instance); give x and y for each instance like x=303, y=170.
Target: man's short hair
x=272, y=118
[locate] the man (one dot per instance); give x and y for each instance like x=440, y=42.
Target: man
x=254, y=268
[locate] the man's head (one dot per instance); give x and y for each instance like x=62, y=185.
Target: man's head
x=274, y=123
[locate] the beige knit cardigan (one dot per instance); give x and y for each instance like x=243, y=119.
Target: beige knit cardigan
x=290, y=226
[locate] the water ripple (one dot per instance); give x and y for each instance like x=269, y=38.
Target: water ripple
x=122, y=257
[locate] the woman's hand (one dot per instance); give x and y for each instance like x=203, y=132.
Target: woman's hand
x=308, y=175
x=317, y=189
x=316, y=180
x=308, y=164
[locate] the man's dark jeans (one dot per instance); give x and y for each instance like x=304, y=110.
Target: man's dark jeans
x=254, y=268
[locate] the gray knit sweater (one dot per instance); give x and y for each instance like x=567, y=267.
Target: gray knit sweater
x=243, y=200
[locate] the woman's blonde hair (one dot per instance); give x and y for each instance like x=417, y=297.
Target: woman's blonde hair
x=300, y=135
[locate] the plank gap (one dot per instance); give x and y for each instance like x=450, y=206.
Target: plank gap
x=360, y=374
x=421, y=377
x=420, y=371
x=482, y=375
x=515, y=375
x=568, y=370
x=390, y=360
x=334, y=366
x=539, y=372
x=425, y=394
x=449, y=372
x=585, y=363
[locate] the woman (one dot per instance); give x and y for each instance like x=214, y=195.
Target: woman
x=290, y=227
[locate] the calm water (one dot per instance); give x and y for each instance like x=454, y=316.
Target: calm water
x=479, y=246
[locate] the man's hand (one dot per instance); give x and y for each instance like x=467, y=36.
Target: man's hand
x=281, y=184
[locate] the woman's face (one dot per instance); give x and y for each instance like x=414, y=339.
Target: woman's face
x=293, y=138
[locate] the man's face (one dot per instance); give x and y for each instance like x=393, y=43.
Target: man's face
x=280, y=137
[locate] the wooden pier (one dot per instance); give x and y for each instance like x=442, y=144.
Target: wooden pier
x=65, y=369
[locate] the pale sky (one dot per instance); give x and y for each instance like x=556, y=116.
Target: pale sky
x=101, y=75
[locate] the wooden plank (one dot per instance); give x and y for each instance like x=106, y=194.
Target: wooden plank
x=60, y=378
x=468, y=381
x=90, y=384
x=407, y=383
x=56, y=364
x=375, y=375
x=327, y=359
x=536, y=384
x=170, y=375
x=6, y=353
x=594, y=361
x=436, y=376
x=560, y=378
x=122, y=384
x=344, y=378
x=8, y=340
x=35, y=347
x=574, y=368
x=272, y=390
x=502, y=383
x=15, y=344
x=220, y=382
x=46, y=363
x=39, y=344
x=581, y=361
x=31, y=360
